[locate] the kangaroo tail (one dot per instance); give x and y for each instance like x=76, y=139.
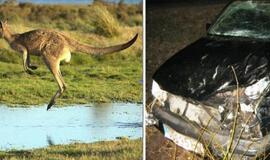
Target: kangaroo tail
x=77, y=46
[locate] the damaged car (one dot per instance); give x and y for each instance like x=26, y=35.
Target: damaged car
x=215, y=93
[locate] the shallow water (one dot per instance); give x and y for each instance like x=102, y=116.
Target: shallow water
x=26, y=128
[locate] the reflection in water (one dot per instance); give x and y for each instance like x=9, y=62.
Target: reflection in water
x=103, y=113
x=124, y=125
x=25, y=128
x=50, y=141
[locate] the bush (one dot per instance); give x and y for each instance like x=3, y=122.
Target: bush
x=104, y=22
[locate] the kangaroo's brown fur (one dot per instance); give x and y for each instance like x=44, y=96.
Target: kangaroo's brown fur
x=53, y=47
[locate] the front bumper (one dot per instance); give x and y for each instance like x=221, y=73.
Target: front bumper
x=194, y=126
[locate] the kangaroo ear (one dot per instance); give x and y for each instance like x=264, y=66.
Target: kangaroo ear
x=1, y=24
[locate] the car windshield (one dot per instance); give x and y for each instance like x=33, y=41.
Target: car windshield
x=244, y=19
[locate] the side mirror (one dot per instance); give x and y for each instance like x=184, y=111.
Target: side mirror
x=207, y=26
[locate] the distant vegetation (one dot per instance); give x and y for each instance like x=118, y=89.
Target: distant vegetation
x=112, y=78
x=70, y=17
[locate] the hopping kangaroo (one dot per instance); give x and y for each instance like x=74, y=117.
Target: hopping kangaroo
x=53, y=47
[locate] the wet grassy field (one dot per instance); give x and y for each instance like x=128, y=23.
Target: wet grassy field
x=111, y=78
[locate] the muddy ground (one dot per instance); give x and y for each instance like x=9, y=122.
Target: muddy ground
x=169, y=28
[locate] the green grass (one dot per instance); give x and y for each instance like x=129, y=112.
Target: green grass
x=111, y=78
x=111, y=150
x=93, y=80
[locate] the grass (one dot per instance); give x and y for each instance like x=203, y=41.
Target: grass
x=111, y=150
x=105, y=24
x=112, y=78
x=98, y=81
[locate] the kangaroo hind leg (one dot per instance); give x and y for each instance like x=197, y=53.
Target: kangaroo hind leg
x=31, y=66
x=54, y=67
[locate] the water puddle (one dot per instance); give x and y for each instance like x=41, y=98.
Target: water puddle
x=27, y=128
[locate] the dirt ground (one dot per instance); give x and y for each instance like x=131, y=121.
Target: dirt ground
x=169, y=28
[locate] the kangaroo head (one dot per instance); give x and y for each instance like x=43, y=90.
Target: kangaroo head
x=3, y=28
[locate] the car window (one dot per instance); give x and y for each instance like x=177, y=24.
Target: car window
x=244, y=19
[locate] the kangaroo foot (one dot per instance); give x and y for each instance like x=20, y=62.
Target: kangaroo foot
x=50, y=104
x=33, y=66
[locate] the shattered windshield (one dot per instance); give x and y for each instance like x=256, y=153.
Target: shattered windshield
x=244, y=19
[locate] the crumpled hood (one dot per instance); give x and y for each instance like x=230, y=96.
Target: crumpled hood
x=198, y=87
x=204, y=68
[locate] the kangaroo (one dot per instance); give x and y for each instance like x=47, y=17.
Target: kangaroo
x=53, y=47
